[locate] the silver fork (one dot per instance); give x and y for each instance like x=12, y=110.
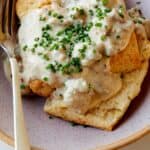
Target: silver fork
x=7, y=26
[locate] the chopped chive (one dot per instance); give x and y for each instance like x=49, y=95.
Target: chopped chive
x=107, y=10
x=49, y=13
x=33, y=50
x=51, y=67
x=82, y=51
x=138, y=21
x=25, y=47
x=45, y=78
x=35, y=45
x=45, y=56
x=55, y=15
x=60, y=17
x=89, y=86
x=94, y=51
x=103, y=37
x=42, y=18
x=121, y=11
x=91, y=12
x=60, y=95
x=82, y=12
x=89, y=26
x=39, y=54
x=37, y=39
x=98, y=24
x=105, y=2
x=22, y=86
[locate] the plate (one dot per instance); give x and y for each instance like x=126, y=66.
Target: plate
x=52, y=133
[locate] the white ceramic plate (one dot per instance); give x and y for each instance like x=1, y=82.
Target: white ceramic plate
x=56, y=134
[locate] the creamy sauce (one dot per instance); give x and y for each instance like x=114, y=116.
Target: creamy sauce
x=72, y=87
x=61, y=41
x=142, y=25
x=109, y=32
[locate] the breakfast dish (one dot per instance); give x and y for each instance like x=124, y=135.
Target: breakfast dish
x=87, y=58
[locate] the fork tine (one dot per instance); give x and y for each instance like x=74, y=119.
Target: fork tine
x=14, y=19
x=8, y=18
x=1, y=10
x=9, y=23
x=3, y=7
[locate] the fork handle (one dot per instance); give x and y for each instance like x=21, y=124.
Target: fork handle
x=20, y=132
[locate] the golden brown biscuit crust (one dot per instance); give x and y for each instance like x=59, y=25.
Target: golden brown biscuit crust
x=24, y=6
x=40, y=88
x=108, y=113
x=127, y=60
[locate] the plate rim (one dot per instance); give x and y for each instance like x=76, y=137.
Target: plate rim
x=115, y=145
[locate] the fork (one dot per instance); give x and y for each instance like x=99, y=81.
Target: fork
x=7, y=27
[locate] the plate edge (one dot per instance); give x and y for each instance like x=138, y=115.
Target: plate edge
x=115, y=145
